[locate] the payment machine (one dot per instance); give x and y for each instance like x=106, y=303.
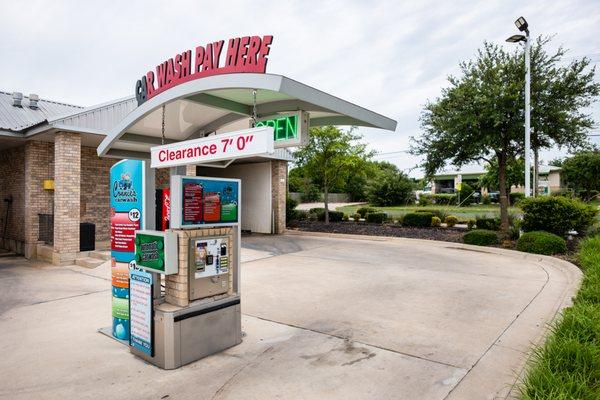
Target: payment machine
x=199, y=313
x=208, y=267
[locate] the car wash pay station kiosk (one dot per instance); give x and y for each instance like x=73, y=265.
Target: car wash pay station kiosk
x=176, y=288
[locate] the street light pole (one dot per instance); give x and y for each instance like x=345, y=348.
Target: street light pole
x=527, y=116
x=523, y=26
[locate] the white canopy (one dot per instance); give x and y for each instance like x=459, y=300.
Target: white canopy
x=196, y=108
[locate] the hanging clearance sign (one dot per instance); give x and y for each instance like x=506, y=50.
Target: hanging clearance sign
x=233, y=145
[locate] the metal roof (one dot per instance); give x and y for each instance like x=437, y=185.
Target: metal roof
x=97, y=119
x=18, y=119
x=206, y=105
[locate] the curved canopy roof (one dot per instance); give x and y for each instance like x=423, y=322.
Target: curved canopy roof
x=210, y=104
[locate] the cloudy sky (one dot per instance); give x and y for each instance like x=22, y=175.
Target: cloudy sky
x=388, y=56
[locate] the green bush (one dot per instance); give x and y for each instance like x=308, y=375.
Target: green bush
x=438, y=212
x=418, y=219
x=481, y=237
x=514, y=229
x=334, y=216
x=310, y=193
x=301, y=215
x=471, y=223
x=363, y=211
x=345, y=217
x=466, y=192
x=491, y=224
x=356, y=217
x=485, y=199
x=425, y=199
x=514, y=198
x=316, y=210
x=451, y=220
x=436, y=221
x=376, y=218
x=291, y=214
x=390, y=189
x=557, y=215
x=540, y=242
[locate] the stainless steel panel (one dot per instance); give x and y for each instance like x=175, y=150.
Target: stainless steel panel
x=210, y=333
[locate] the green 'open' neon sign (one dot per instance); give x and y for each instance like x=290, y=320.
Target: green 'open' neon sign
x=284, y=128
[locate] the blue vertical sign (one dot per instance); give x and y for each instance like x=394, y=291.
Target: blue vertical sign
x=126, y=212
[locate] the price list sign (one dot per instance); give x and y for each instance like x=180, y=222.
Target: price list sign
x=192, y=203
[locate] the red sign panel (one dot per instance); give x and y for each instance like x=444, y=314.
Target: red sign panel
x=166, y=209
x=246, y=54
x=122, y=232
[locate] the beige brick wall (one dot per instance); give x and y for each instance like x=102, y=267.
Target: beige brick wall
x=67, y=192
x=95, y=192
x=39, y=165
x=279, y=189
x=12, y=167
x=177, y=285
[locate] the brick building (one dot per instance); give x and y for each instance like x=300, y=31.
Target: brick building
x=52, y=178
x=55, y=158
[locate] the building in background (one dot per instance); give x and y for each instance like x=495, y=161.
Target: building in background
x=446, y=181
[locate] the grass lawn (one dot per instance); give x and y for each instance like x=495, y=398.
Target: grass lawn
x=492, y=210
x=567, y=366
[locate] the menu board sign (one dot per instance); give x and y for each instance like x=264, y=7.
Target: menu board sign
x=192, y=202
x=200, y=201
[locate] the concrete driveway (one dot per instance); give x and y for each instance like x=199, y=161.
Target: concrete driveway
x=324, y=317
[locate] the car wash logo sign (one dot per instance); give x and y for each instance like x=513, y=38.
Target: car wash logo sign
x=247, y=54
x=123, y=190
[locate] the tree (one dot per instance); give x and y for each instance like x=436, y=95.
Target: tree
x=514, y=174
x=390, y=187
x=479, y=117
x=582, y=173
x=329, y=156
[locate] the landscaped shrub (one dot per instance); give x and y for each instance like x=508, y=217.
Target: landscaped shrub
x=425, y=199
x=301, y=215
x=485, y=199
x=466, y=192
x=438, y=212
x=363, y=211
x=376, y=218
x=557, y=215
x=540, y=242
x=451, y=220
x=471, y=224
x=418, y=219
x=514, y=229
x=514, y=198
x=491, y=224
x=345, y=217
x=481, y=237
x=334, y=216
x=291, y=214
x=436, y=221
x=356, y=217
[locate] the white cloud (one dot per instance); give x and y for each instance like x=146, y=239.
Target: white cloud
x=388, y=56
